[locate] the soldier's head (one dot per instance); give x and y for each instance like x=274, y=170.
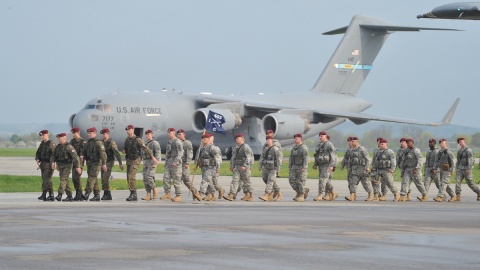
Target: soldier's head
x=149, y=135
x=349, y=141
x=298, y=138
x=354, y=142
x=130, y=130
x=270, y=133
x=461, y=142
x=323, y=136
x=44, y=135
x=105, y=133
x=181, y=134
x=206, y=138
x=171, y=133
x=443, y=143
x=410, y=143
x=269, y=140
x=431, y=143
x=212, y=138
x=92, y=132
x=62, y=138
x=75, y=132
x=378, y=141
x=383, y=144
x=403, y=143
x=239, y=139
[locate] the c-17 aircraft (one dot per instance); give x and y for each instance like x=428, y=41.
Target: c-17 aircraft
x=329, y=103
x=454, y=11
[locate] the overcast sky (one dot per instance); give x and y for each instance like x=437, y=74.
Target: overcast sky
x=55, y=56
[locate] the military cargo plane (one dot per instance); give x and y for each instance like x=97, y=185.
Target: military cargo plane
x=329, y=103
x=454, y=11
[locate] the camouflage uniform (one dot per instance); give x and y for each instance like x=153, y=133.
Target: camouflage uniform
x=186, y=160
x=444, y=163
x=95, y=156
x=148, y=165
x=209, y=162
x=358, y=163
x=465, y=161
x=270, y=163
x=111, y=150
x=132, y=148
x=218, y=160
x=412, y=165
x=399, y=159
x=375, y=177
x=79, y=145
x=65, y=155
x=325, y=157
x=173, y=164
x=345, y=161
x=384, y=162
x=298, y=161
x=43, y=154
x=429, y=170
x=242, y=157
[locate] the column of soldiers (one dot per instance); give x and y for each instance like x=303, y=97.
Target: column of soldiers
x=100, y=155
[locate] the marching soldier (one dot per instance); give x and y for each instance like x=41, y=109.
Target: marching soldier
x=279, y=146
x=400, y=158
x=111, y=150
x=430, y=173
x=240, y=165
x=412, y=165
x=465, y=161
x=173, y=167
x=375, y=179
x=325, y=160
x=79, y=144
x=214, y=185
x=95, y=157
x=149, y=167
x=384, y=165
x=186, y=159
x=444, y=164
x=358, y=166
x=64, y=155
x=207, y=158
x=270, y=162
x=132, y=150
x=42, y=156
x=298, y=166
x=346, y=159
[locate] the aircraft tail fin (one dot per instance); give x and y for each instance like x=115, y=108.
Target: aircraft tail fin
x=352, y=61
x=447, y=119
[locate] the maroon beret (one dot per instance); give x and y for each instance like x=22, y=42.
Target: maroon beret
x=269, y=138
x=105, y=130
x=148, y=131
x=43, y=132
x=379, y=139
x=73, y=130
x=180, y=131
x=206, y=135
x=269, y=131
x=239, y=135
x=297, y=135
x=170, y=129
x=403, y=140
x=410, y=140
x=349, y=139
x=460, y=139
x=432, y=141
x=322, y=133
x=130, y=127
x=383, y=141
x=354, y=138
x=92, y=129
x=442, y=140
x=61, y=135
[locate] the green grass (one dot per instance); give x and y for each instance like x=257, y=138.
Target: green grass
x=18, y=152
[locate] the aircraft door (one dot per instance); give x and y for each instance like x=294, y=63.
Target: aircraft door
x=138, y=132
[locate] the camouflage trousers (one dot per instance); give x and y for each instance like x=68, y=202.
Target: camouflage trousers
x=269, y=177
x=92, y=180
x=297, y=179
x=241, y=175
x=64, y=173
x=324, y=179
x=76, y=179
x=429, y=177
x=173, y=173
x=357, y=174
x=47, y=172
x=376, y=181
x=131, y=175
x=445, y=184
x=385, y=177
x=105, y=175
x=186, y=175
x=214, y=186
x=207, y=175
x=408, y=176
x=149, y=174
x=384, y=186
x=468, y=176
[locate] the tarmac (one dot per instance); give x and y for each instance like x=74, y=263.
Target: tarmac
x=236, y=235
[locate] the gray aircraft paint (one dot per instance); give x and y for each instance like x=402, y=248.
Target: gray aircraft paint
x=454, y=11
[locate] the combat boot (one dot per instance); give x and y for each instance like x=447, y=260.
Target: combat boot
x=68, y=199
x=198, y=196
x=369, y=198
x=50, y=196
x=452, y=199
x=396, y=197
x=402, y=198
x=59, y=197
x=296, y=196
x=409, y=196
x=133, y=196
x=478, y=197
x=351, y=197
x=264, y=197
x=334, y=195
x=424, y=198
x=104, y=195
x=459, y=198
x=78, y=196
x=165, y=197
x=376, y=198
x=43, y=196
x=86, y=195
x=305, y=194
x=147, y=197
x=300, y=198
x=270, y=196
x=319, y=197
x=230, y=197
x=221, y=192
x=327, y=197
x=279, y=197
x=214, y=198
x=96, y=198
x=207, y=197
x=383, y=198
x=109, y=195
x=438, y=199
x=155, y=193
x=177, y=198
x=250, y=197
x=244, y=197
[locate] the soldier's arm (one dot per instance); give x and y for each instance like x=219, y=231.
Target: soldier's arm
x=315, y=156
x=189, y=152
x=290, y=160
x=393, y=161
x=470, y=158
x=179, y=147
x=249, y=156
x=451, y=160
x=145, y=148
x=103, y=154
x=217, y=155
x=333, y=156
x=234, y=157
x=75, y=157
x=365, y=156
x=278, y=155
x=419, y=156
x=305, y=157
x=116, y=153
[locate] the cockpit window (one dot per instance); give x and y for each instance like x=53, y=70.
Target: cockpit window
x=89, y=107
x=100, y=107
x=107, y=108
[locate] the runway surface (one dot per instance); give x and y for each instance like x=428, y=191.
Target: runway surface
x=239, y=235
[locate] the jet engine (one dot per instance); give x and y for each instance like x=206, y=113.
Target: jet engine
x=232, y=120
x=285, y=125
